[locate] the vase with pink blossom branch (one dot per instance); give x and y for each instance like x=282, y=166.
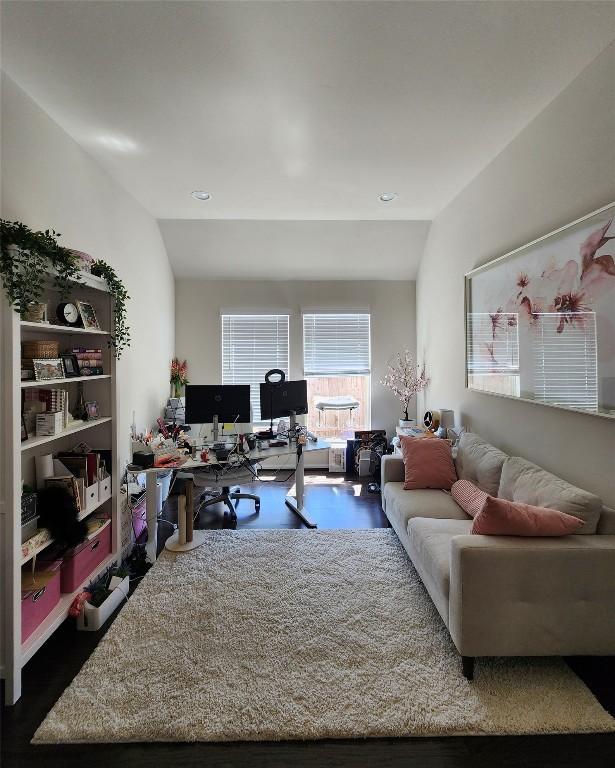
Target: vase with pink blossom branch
x=405, y=378
x=179, y=376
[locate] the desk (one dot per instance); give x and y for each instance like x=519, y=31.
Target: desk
x=295, y=503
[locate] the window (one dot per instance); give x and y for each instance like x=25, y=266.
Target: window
x=565, y=360
x=336, y=363
x=251, y=346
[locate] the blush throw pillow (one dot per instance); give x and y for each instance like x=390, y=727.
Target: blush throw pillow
x=500, y=517
x=427, y=464
x=469, y=497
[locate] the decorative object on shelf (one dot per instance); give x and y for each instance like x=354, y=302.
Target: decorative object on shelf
x=40, y=350
x=88, y=316
x=49, y=424
x=405, y=380
x=68, y=314
x=36, y=312
x=179, y=376
x=24, y=431
x=48, y=369
x=91, y=409
x=447, y=420
x=26, y=257
x=85, y=260
x=79, y=411
x=121, y=333
x=71, y=365
x=540, y=320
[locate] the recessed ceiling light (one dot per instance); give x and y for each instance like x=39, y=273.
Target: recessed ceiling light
x=199, y=194
x=386, y=197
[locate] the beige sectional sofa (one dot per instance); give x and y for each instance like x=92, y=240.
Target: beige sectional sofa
x=509, y=595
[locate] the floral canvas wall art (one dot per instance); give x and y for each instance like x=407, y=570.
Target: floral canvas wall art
x=540, y=321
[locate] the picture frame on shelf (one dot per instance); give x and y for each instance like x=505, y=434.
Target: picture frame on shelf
x=71, y=365
x=88, y=316
x=48, y=369
x=91, y=409
x=24, y=431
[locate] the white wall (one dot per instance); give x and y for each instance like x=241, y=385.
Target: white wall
x=198, y=328
x=48, y=181
x=560, y=167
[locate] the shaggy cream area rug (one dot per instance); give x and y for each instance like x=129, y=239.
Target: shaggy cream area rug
x=291, y=634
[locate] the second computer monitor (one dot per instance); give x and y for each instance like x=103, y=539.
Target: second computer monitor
x=229, y=402
x=283, y=399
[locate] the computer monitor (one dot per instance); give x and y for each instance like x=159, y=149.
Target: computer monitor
x=213, y=403
x=286, y=398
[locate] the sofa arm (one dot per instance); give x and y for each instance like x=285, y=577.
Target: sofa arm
x=391, y=470
x=513, y=596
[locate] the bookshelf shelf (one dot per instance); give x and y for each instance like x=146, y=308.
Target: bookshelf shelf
x=33, y=442
x=56, y=382
x=82, y=516
x=67, y=329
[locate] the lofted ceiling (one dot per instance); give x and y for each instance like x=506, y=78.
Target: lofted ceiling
x=296, y=110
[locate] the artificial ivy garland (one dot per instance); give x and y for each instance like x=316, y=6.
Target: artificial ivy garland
x=26, y=257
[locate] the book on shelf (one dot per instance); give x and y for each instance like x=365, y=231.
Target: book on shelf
x=89, y=360
x=84, y=465
x=74, y=485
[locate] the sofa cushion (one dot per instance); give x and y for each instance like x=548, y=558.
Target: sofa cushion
x=424, y=502
x=428, y=463
x=530, y=484
x=479, y=462
x=469, y=497
x=501, y=517
x=429, y=547
x=606, y=524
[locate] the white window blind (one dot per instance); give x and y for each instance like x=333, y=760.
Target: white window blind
x=336, y=343
x=565, y=363
x=493, y=343
x=251, y=346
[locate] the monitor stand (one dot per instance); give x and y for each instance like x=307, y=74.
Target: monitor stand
x=215, y=429
x=292, y=430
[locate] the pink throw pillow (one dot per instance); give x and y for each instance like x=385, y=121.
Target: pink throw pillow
x=427, y=463
x=500, y=517
x=469, y=497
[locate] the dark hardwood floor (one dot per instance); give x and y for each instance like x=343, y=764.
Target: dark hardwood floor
x=334, y=502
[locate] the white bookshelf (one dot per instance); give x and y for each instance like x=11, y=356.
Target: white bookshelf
x=17, y=458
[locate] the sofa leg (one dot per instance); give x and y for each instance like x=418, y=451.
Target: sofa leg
x=467, y=664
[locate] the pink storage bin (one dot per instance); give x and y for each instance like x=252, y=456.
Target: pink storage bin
x=37, y=604
x=79, y=562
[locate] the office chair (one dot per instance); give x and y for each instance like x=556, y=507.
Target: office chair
x=225, y=495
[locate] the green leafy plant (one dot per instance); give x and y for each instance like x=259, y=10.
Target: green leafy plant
x=121, y=335
x=26, y=257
